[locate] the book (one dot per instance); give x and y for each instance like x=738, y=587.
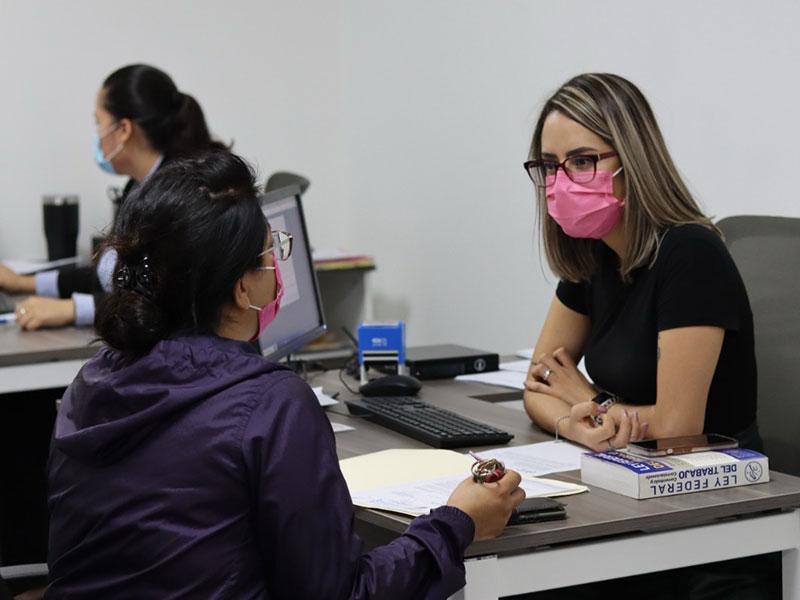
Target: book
x=641, y=477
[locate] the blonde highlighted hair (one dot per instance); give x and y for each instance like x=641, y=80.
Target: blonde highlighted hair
x=656, y=196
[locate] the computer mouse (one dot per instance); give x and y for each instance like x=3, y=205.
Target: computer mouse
x=391, y=385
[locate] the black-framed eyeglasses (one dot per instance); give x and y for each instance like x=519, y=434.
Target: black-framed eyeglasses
x=580, y=168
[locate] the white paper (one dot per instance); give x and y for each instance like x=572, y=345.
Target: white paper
x=420, y=497
x=28, y=267
x=524, y=353
x=8, y=318
x=339, y=427
x=520, y=366
x=323, y=398
x=534, y=460
x=511, y=379
x=704, y=459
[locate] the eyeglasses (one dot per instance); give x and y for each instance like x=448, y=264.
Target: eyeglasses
x=580, y=168
x=281, y=248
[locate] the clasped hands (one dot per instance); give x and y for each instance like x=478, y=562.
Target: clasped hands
x=558, y=376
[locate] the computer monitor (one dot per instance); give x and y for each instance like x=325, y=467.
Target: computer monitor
x=300, y=319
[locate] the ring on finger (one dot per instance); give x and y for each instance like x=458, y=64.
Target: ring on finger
x=23, y=311
x=546, y=375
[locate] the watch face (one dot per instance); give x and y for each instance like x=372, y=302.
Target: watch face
x=605, y=400
x=602, y=398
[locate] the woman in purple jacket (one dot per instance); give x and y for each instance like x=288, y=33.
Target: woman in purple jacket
x=184, y=465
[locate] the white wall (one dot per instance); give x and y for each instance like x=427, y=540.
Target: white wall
x=442, y=98
x=267, y=74
x=412, y=120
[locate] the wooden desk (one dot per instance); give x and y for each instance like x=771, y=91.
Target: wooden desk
x=608, y=535
x=36, y=360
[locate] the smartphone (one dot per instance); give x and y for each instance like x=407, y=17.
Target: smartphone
x=534, y=510
x=682, y=445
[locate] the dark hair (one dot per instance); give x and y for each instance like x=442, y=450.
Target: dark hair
x=172, y=121
x=189, y=233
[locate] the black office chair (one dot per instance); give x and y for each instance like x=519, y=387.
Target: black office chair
x=767, y=252
x=282, y=179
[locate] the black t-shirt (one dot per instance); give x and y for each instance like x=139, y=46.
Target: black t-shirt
x=692, y=282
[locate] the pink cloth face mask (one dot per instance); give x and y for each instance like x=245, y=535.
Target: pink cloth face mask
x=585, y=210
x=268, y=312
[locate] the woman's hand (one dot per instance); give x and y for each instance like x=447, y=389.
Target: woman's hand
x=489, y=505
x=38, y=312
x=557, y=375
x=15, y=283
x=612, y=434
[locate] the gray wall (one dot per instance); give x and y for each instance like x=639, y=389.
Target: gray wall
x=411, y=118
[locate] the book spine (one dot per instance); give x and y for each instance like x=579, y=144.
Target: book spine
x=703, y=479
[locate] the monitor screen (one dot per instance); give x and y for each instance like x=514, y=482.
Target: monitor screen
x=300, y=319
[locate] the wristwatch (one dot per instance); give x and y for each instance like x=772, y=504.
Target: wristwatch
x=606, y=400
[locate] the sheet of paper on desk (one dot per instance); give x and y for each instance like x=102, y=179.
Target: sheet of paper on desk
x=340, y=427
x=324, y=399
x=539, y=459
x=511, y=379
x=520, y=366
x=527, y=353
x=420, y=497
x=397, y=467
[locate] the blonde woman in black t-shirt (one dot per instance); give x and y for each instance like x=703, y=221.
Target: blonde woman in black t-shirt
x=649, y=295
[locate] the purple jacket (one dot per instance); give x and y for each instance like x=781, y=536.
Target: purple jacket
x=203, y=471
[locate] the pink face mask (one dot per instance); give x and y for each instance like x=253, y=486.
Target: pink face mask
x=585, y=210
x=268, y=312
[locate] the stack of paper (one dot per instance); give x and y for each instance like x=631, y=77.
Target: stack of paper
x=413, y=482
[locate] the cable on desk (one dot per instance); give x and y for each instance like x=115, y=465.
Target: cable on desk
x=344, y=383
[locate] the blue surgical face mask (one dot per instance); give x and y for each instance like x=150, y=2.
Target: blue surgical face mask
x=103, y=161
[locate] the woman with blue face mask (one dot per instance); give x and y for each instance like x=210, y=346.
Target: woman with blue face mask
x=184, y=464
x=143, y=121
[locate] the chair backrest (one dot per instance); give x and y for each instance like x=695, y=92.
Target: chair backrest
x=767, y=252
x=282, y=179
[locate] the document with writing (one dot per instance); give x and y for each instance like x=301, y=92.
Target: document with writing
x=539, y=459
x=413, y=482
x=420, y=497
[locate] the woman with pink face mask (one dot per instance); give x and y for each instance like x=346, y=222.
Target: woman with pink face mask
x=185, y=465
x=648, y=296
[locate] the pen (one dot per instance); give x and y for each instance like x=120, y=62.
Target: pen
x=8, y=317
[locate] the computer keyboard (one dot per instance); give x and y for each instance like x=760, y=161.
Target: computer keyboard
x=435, y=426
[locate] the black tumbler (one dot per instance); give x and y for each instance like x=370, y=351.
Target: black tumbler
x=61, y=225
